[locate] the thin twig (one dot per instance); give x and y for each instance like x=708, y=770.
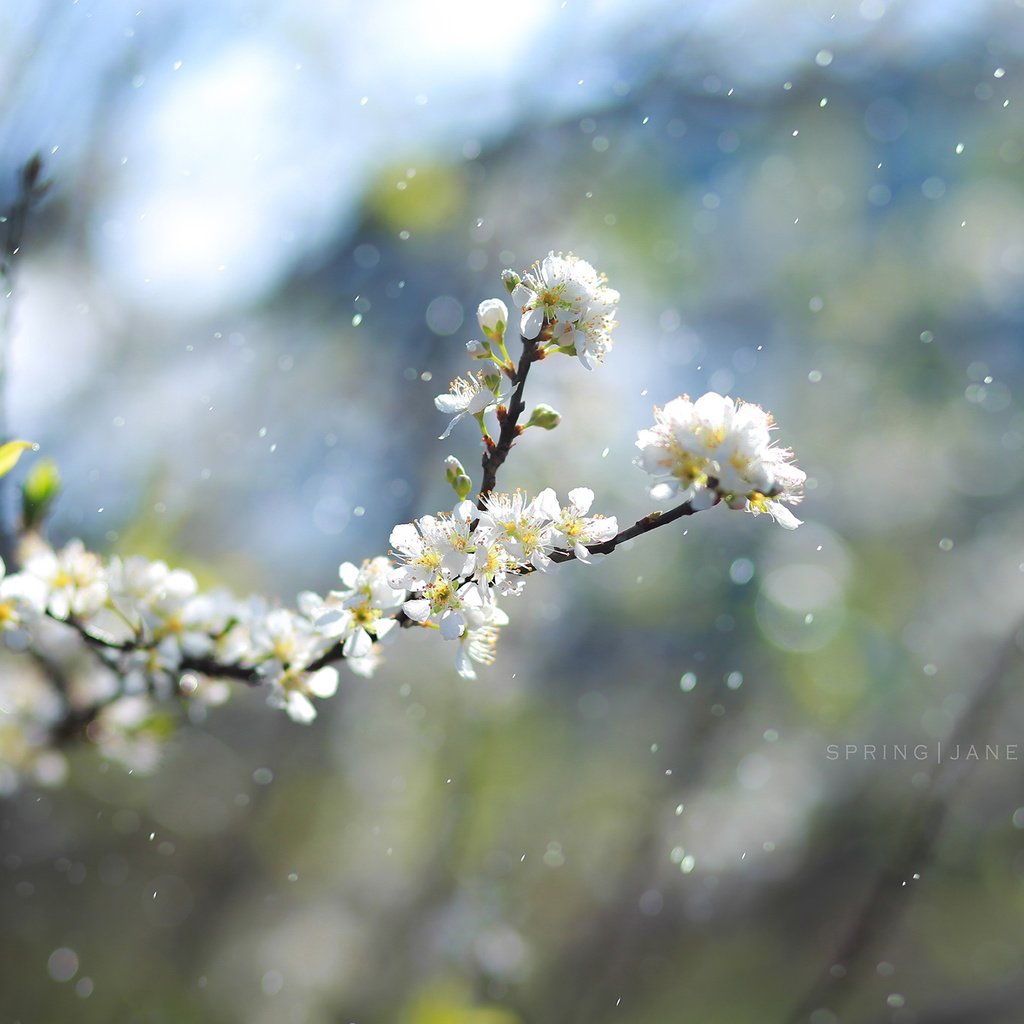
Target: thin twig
x=495, y=452
x=650, y=522
x=75, y=720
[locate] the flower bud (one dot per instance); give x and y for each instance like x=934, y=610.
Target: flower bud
x=544, y=417
x=492, y=315
x=493, y=381
x=511, y=280
x=453, y=468
x=456, y=475
x=39, y=492
x=478, y=349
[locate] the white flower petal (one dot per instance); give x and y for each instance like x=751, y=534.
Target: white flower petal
x=323, y=682
x=450, y=404
x=581, y=498
x=299, y=707
x=452, y=625
x=358, y=645
x=450, y=427
x=531, y=323
x=348, y=573
x=463, y=663
x=418, y=610
x=406, y=538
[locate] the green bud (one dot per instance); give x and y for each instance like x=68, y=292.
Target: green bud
x=544, y=417
x=39, y=492
x=493, y=381
x=511, y=280
x=457, y=477
x=453, y=468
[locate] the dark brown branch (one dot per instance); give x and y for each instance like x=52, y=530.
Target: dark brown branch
x=31, y=188
x=107, y=649
x=649, y=522
x=496, y=453
x=890, y=892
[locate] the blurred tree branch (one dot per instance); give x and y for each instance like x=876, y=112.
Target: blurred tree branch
x=889, y=893
x=31, y=187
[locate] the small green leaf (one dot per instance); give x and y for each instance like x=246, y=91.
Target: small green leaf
x=11, y=452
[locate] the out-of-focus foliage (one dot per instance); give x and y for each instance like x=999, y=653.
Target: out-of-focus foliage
x=267, y=233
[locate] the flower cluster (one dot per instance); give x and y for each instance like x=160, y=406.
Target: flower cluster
x=572, y=299
x=455, y=565
x=720, y=448
x=153, y=624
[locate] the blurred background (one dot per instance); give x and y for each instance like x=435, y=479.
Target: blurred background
x=268, y=231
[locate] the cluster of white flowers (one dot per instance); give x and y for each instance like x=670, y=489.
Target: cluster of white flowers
x=154, y=625
x=573, y=299
x=720, y=448
x=454, y=566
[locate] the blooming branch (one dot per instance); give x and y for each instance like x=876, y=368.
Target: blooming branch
x=155, y=636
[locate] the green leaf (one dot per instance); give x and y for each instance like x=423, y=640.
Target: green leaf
x=11, y=452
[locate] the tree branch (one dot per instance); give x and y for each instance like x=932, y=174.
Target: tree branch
x=76, y=719
x=496, y=452
x=889, y=893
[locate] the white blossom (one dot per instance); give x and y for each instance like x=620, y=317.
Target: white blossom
x=358, y=614
x=578, y=529
x=492, y=316
x=22, y=600
x=479, y=645
x=574, y=299
x=467, y=396
x=720, y=448
x=75, y=579
x=434, y=544
x=523, y=527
